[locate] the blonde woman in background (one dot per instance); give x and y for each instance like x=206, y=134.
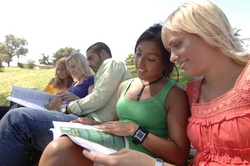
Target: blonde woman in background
x=62, y=80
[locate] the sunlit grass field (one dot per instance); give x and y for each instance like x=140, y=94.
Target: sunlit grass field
x=29, y=78
x=38, y=79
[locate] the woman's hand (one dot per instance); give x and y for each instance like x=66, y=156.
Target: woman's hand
x=66, y=95
x=54, y=104
x=124, y=157
x=118, y=128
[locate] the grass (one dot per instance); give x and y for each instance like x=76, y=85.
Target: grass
x=29, y=78
x=38, y=79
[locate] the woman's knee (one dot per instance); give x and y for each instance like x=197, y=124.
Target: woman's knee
x=60, y=146
x=63, y=150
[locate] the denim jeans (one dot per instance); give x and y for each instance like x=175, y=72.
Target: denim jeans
x=22, y=129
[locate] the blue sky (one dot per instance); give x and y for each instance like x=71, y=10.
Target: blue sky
x=49, y=25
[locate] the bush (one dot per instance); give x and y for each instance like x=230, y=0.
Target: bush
x=31, y=64
x=20, y=65
x=1, y=65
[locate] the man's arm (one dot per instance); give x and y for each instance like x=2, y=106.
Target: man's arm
x=107, y=80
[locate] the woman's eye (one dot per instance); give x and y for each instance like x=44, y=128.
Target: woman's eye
x=137, y=54
x=177, y=45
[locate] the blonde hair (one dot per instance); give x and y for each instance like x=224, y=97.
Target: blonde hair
x=58, y=81
x=82, y=62
x=207, y=20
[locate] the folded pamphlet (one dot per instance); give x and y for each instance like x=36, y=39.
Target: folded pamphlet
x=90, y=137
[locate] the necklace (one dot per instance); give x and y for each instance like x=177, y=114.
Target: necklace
x=144, y=85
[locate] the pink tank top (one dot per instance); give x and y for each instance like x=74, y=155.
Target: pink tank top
x=220, y=129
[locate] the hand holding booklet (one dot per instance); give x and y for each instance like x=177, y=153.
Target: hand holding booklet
x=90, y=137
x=30, y=98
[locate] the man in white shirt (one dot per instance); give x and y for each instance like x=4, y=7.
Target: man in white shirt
x=23, y=128
x=101, y=103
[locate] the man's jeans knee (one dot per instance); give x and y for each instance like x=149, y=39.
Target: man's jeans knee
x=22, y=129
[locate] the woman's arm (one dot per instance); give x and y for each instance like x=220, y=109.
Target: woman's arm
x=176, y=148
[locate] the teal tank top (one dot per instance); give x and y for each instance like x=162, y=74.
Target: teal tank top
x=150, y=114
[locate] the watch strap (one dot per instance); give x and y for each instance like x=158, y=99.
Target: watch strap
x=140, y=135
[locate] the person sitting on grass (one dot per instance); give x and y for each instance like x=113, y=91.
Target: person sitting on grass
x=62, y=80
x=83, y=85
x=152, y=111
x=201, y=40
x=24, y=128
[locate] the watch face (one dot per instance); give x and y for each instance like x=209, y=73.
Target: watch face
x=140, y=135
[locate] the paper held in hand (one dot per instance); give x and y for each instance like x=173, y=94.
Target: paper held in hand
x=90, y=137
x=30, y=98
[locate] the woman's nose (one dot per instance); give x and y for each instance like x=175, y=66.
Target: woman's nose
x=173, y=57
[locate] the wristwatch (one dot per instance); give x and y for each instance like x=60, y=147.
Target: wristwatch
x=159, y=162
x=64, y=109
x=140, y=135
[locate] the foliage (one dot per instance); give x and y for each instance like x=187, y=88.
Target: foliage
x=63, y=52
x=130, y=59
x=21, y=65
x=45, y=60
x=1, y=62
x=236, y=32
x=12, y=47
x=132, y=70
x=1, y=66
x=31, y=64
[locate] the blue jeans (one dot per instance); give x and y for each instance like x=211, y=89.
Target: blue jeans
x=22, y=129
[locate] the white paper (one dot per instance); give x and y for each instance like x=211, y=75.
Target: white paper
x=30, y=98
x=81, y=141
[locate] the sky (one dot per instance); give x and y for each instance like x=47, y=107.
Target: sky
x=49, y=25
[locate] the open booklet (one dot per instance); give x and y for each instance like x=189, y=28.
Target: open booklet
x=30, y=97
x=90, y=137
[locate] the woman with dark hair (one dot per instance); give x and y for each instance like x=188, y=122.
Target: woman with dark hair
x=151, y=104
x=201, y=40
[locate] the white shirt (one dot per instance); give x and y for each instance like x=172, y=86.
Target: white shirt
x=100, y=104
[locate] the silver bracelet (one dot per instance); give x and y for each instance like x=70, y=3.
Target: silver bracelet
x=159, y=162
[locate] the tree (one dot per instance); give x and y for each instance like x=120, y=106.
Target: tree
x=45, y=60
x=236, y=32
x=13, y=47
x=130, y=60
x=3, y=58
x=1, y=61
x=63, y=52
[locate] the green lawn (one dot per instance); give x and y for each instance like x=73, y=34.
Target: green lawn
x=30, y=78
x=38, y=79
